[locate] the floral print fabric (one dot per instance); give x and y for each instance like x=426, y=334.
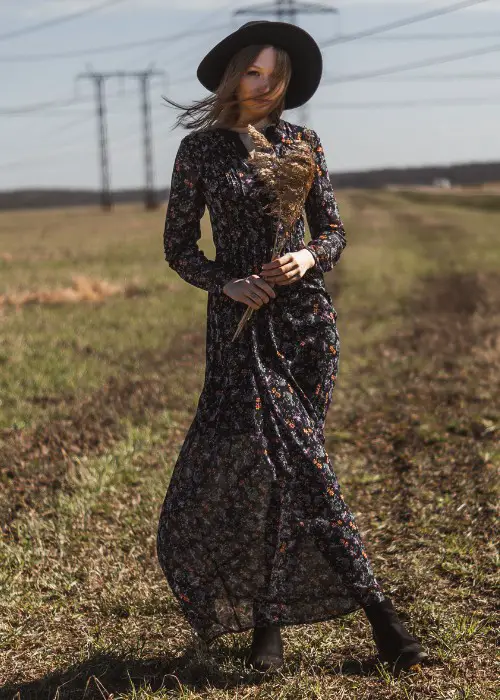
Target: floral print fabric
x=254, y=528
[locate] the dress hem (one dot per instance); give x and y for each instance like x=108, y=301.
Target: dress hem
x=310, y=621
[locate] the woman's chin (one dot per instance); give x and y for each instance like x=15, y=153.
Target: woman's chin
x=262, y=112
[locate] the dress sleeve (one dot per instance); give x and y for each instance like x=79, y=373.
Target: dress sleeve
x=186, y=206
x=327, y=230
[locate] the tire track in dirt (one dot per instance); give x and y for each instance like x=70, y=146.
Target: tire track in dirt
x=431, y=426
x=456, y=324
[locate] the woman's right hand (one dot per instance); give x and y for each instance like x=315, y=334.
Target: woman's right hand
x=253, y=291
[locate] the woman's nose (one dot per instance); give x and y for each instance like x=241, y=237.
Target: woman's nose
x=265, y=85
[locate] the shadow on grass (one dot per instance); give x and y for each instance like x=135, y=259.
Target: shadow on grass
x=108, y=675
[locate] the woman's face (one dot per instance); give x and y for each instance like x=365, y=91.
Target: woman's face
x=253, y=92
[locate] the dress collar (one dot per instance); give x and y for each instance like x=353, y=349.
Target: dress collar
x=274, y=131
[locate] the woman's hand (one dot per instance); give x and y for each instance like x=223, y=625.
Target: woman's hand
x=289, y=268
x=252, y=290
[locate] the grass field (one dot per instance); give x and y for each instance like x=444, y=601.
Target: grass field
x=101, y=359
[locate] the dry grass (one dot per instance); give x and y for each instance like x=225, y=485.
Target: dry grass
x=89, y=437
x=83, y=289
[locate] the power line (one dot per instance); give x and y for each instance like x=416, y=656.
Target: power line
x=437, y=77
x=50, y=114
x=127, y=46
x=400, y=23
x=46, y=158
x=65, y=146
x=69, y=147
x=58, y=20
x=434, y=36
x=398, y=103
x=49, y=106
x=124, y=46
x=193, y=30
x=62, y=147
x=429, y=78
x=44, y=107
x=438, y=102
x=29, y=58
x=411, y=66
x=37, y=107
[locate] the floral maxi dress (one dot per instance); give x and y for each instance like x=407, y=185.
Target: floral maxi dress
x=254, y=528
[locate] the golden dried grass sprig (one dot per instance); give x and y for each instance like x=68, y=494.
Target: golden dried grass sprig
x=289, y=180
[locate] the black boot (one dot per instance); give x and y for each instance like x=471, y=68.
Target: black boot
x=267, y=648
x=394, y=643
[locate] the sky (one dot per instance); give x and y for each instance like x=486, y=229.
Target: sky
x=436, y=114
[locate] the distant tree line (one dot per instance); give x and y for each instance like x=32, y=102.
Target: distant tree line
x=462, y=174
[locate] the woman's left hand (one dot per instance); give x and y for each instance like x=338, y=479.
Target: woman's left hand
x=289, y=268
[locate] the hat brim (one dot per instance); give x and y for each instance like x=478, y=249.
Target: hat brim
x=304, y=52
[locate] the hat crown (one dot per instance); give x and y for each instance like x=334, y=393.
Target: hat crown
x=248, y=24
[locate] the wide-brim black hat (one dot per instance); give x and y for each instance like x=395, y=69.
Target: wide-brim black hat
x=304, y=52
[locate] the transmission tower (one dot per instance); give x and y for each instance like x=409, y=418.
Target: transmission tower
x=143, y=78
x=102, y=135
x=287, y=11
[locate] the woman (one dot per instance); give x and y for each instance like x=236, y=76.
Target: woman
x=254, y=532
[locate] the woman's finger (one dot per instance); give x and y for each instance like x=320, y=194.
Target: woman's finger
x=291, y=280
x=258, y=295
x=277, y=273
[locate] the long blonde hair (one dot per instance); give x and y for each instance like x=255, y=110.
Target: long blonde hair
x=223, y=106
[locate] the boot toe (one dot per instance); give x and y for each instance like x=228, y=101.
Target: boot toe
x=408, y=658
x=265, y=662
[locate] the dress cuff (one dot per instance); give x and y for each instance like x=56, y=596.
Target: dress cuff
x=315, y=256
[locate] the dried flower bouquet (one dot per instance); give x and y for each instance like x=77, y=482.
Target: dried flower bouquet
x=289, y=180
